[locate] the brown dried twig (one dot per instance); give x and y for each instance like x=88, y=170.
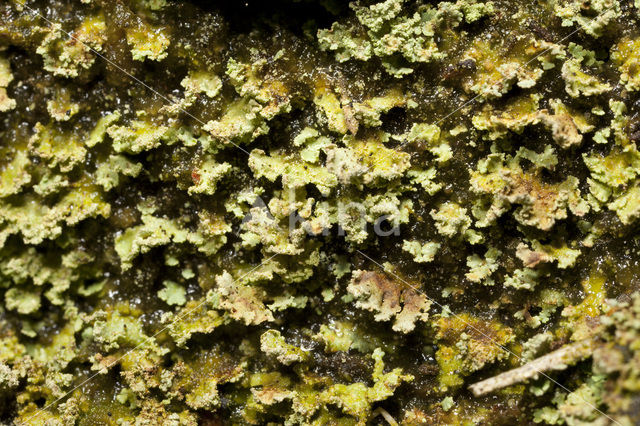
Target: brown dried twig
x=556, y=360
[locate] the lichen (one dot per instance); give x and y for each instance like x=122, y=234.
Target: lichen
x=480, y=269
x=388, y=299
x=67, y=56
x=422, y=253
x=541, y=203
x=599, y=14
x=147, y=42
x=386, y=32
x=319, y=212
x=272, y=343
x=6, y=103
x=625, y=56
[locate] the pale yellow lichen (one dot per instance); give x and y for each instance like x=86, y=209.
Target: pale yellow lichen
x=598, y=14
x=451, y=219
x=173, y=293
x=202, y=82
x=331, y=108
x=546, y=253
x=61, y=108
x=15, y=173
x=6, y=77
x=108, y=172
x=67, y=56
x=626, y=55
x=207, y=175
x=627, y=206
x=138, y=136
x=243, y=302
x=388, y=299
x=58, y=147
x=422, y=253
x=148, y=42
x=541, y=203
x=241, y=121
x=273, y=343
x=480, y=269
x=295, y=173
x=578, y=83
